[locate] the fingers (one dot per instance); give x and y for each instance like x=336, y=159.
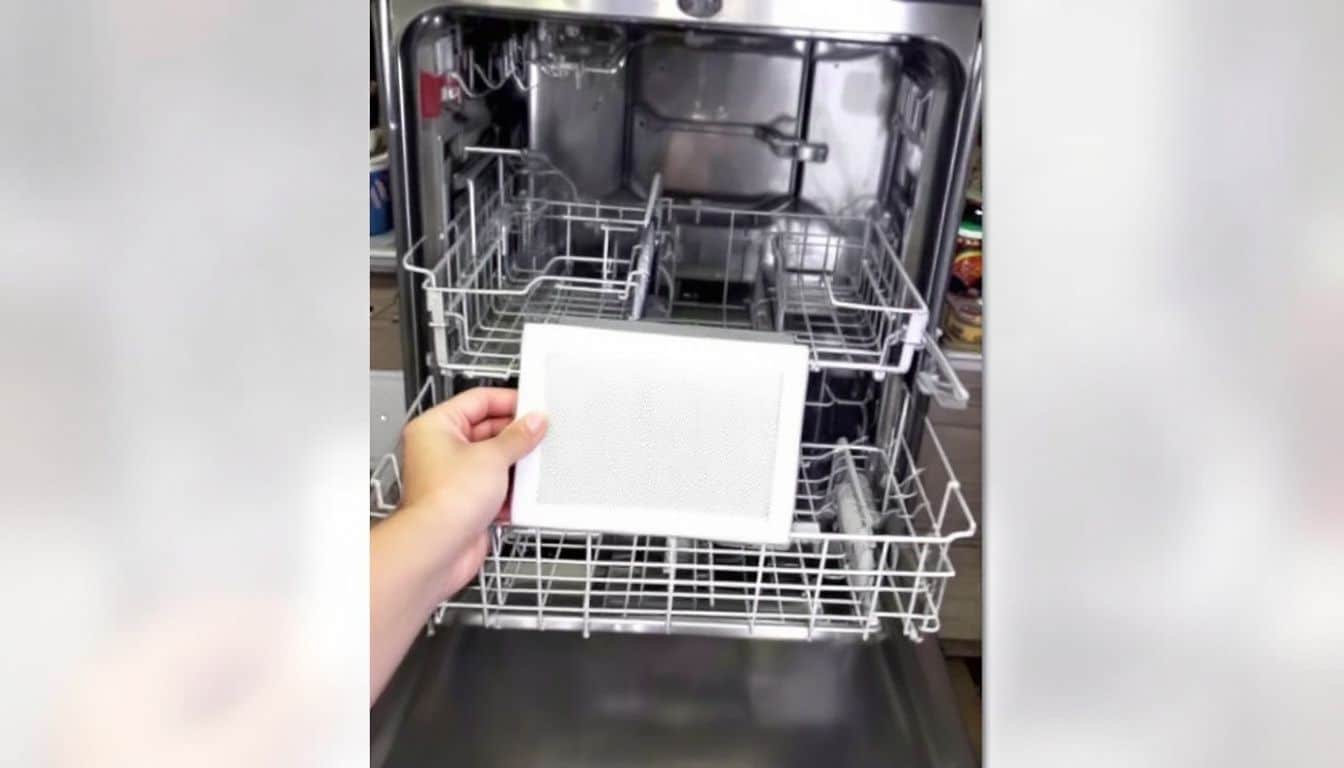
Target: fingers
x=475, y=405
x=519, y=438
x=489, y=428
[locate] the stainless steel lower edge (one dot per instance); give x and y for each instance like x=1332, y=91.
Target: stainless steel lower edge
x=470, y=696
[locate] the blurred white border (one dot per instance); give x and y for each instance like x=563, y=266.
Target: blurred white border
x=185, y=383
x=1163, y=239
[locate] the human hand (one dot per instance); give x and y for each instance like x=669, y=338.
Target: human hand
x=455, y=474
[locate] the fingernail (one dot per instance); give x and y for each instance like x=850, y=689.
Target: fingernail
x=535, y=422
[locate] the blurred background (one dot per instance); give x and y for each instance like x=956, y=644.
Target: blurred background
x=184, y=397
x=1163, y=569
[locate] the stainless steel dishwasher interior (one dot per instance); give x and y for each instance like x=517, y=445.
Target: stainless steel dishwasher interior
x=787, y=167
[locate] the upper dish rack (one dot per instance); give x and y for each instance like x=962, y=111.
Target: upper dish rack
x=514, y=255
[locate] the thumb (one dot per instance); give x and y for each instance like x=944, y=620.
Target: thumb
x=519, y=438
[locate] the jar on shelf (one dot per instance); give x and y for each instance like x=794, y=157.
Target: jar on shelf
x=967, y=259
x=963, y=321
x=963, y=314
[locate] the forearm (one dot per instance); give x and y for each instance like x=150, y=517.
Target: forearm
x=406, y=577
x=455, y=481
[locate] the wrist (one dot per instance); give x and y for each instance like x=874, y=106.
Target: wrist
x=441, y=540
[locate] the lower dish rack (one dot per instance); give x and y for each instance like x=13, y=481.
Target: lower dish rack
x=385, y=470
x=869, y=548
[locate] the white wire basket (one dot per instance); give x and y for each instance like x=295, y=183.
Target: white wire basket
x=869, y=548
x=868, y=552
x=513, y=256
x=834, y=283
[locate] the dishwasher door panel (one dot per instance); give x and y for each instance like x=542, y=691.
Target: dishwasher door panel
x=471, y=696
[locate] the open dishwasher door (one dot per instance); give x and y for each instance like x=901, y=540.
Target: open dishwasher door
x=480, y=697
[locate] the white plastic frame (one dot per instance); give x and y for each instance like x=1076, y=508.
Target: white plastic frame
x=697, y=348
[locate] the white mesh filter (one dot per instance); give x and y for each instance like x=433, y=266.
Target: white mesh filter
x=661, y=430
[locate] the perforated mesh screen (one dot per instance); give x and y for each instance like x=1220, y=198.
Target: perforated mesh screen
x=659, y=434
x=666, y=430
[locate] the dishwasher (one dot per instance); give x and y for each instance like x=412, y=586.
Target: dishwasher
x=784, y=167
